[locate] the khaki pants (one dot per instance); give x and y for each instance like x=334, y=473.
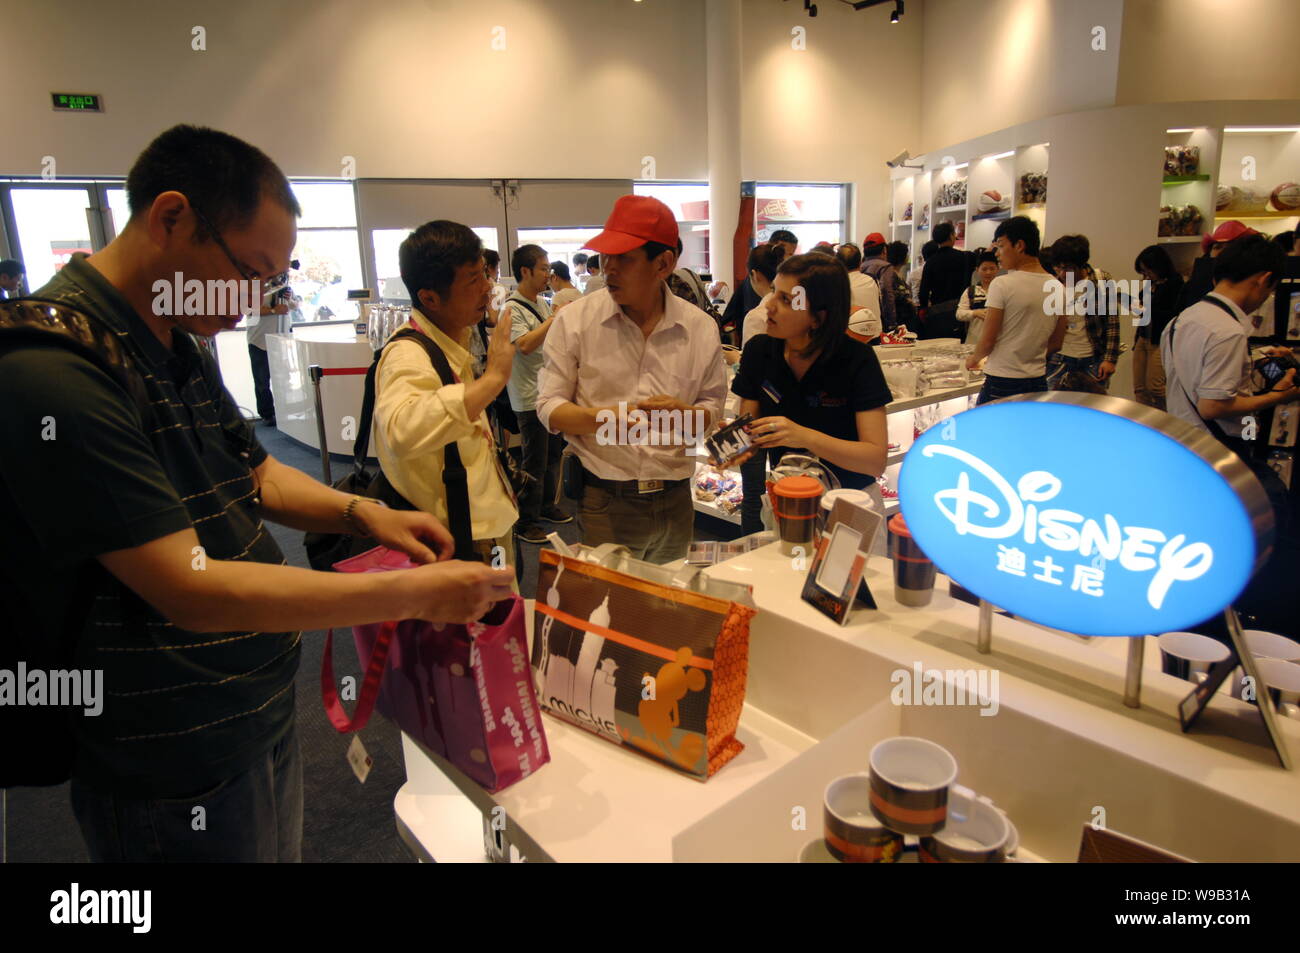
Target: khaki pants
x=656, y=527
x=1148, y=374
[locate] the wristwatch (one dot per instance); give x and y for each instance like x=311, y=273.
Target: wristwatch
x=349, y=516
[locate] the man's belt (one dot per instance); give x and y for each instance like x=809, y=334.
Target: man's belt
x=631, y=487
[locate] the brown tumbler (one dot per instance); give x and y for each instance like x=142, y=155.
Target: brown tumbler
x=913, y=569
x=794, y=504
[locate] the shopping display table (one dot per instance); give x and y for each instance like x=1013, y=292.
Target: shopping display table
x=1060, y=751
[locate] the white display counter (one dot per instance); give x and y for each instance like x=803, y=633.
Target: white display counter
x=900, y=422
x=331, y=346
x=1060, y=751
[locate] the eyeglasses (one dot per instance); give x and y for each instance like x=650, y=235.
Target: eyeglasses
x=273, y=288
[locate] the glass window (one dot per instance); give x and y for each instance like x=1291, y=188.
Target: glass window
x=329, y=267
x=387, y=241
x=561, y=244
x=117, y=204
x=51, y=226
x=815, y=213
x=689, y=202
x=328, y=252
x=326, y=204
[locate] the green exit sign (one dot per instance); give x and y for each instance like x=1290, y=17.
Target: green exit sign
x=78, y=102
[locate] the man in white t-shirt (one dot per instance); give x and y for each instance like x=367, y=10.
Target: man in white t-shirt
x=1020, y=329
x=562, y=289
x=595, y=280
x=530, y=322
x=864, y=319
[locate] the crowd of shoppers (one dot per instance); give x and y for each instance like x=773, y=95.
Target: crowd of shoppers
x=105, y=527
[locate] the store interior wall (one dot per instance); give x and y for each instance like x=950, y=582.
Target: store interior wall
x=588, y=89
x=835, y=110
x=1104, y=179
x=1208, y=49
x=583, y=88
x=986, y=66
x=408, y=88
x=997, y=63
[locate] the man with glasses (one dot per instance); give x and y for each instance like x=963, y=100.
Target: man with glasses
x=132, y=503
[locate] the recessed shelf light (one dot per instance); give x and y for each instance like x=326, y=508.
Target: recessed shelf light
x=1262, y=129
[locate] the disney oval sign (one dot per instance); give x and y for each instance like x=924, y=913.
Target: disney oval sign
x=1090, y=514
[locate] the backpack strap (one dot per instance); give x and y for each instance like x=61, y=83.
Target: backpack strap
x=454, y=477
x=361, y=446
x=513, y=300
x=44, y=321
x=1235, y=444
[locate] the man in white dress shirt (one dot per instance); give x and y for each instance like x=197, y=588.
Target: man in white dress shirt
x=634, y=346
x=864, y=319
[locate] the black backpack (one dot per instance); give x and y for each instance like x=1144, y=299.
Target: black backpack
x=40, y=745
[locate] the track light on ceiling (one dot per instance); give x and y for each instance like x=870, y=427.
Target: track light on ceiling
x=898, y=12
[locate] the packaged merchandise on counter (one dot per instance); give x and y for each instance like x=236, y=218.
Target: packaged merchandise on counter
x=643, y=656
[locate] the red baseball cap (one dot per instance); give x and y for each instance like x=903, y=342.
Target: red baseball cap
x=875, y=238
x=636, y=219
x=1227, y=232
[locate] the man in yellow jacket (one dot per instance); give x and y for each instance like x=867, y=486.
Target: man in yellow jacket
x=417, y=415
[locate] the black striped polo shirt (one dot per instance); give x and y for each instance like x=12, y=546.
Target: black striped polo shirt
x=182, y=710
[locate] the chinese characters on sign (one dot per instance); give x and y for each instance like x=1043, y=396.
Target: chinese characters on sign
x=1087, y=579
x=85, y=102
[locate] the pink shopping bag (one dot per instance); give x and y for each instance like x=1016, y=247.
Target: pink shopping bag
x=464, y=691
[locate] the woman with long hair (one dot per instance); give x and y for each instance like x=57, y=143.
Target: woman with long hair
x=809, y=385
x=1154, y=264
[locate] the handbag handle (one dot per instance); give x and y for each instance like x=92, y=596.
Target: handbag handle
x=369, y=684
x=608, y=555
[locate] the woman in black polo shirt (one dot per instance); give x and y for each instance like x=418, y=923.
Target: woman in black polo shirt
x=809, y=385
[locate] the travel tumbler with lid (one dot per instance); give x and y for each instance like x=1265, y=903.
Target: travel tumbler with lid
x=794, y=504
x=913, y=570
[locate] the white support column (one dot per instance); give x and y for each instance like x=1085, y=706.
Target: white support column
x=722, y=29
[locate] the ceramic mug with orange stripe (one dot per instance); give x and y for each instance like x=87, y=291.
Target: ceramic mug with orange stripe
x=910, y=778
x=976, y=832
x=852, y=833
